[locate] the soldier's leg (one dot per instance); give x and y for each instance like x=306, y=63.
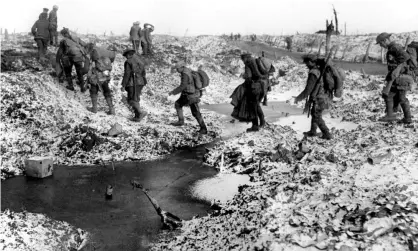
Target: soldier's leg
x=68, y=68
x=78, y=69
x=389, y=101
x=45, y=47
x=314, y=125
x=108, y=96
x=198, y=116
x=404, y=102
x=132, y=102
x=178, y=105
x=265, y=99
x=317, y=118
x=40, y=47
x=93, y=95
x=254, y=121
x=260, y=115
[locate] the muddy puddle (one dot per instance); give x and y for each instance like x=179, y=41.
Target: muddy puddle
x=127, y=222
x=272, y=112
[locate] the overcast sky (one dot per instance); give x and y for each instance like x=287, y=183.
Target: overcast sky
x=216, y=16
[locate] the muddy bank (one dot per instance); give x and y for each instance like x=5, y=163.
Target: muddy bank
x=273, y=53
x=127, y=222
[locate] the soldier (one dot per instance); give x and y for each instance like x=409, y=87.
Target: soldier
x=71, y=53
x=254, y=91
x=99, y=75
x=134, y=80
x=317, y=97
x=40, y=31
x=146, y=41
x=190, y=95
x=135, y=36
x=53, y=26
x=399, y=79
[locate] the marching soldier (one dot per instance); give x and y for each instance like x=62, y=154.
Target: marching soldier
x=190, y=96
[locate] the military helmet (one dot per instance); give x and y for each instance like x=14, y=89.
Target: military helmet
x=309, y=57
x=125, y=52
x=382, y=36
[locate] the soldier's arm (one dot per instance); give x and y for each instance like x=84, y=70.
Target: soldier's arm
x=126, y=75
x=59, y=53
x=247, y=73
x=412, y=56
x=183, y=84
x=94, y=55
x=310, y=85
x=272, y=69
x=34, y=28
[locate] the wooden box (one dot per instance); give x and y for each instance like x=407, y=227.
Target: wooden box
x=39, y=167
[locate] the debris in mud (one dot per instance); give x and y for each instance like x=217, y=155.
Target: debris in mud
x=169, y=220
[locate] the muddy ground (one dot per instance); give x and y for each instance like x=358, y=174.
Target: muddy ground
x=355, y=192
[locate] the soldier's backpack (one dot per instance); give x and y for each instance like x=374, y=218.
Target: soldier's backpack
x=104, y=64
x=412, y=49
x=333, y=78
x=264, y=65
x=201, y=79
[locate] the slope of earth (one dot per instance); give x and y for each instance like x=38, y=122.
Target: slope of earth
x=40, y=117
x=29, y=231
x=350, y=48
x=357, y=191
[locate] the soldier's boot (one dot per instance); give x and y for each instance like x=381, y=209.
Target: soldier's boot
x=254, y=127
x=262, y=122
x=83, y=87
x=111, y=107
x=407, y=113
x=312, y=132
x=325, y=131
x=203, y=128
x=389, y=117
x=265, y=101
x=70, y=85
x=180, y=116
x=137, y=111
x=93, y=103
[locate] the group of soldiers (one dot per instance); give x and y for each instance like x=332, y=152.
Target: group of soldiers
x=45, y=30
x=141, y=37
x=96, y=62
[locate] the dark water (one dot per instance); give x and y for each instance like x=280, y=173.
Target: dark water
x=128, y=222
x=272, y=112
x=272, y=52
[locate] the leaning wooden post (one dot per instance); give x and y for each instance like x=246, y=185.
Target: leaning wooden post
x=366, y=56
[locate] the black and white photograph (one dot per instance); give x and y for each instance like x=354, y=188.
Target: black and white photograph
x=268, y=125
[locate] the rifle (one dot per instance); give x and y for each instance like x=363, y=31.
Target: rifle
x=315, y=89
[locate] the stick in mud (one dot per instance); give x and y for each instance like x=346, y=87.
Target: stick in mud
x=168, y=219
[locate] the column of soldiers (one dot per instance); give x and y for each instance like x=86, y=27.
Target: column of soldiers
x=73, y=51
x=44, y=30
x=141, y=37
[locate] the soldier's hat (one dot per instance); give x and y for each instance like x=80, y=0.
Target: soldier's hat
x=128, y=51
x=136, y=23
x=382, y=36
x=55, y=7
x=309, y=57
x=46, y=9
x=65, y=31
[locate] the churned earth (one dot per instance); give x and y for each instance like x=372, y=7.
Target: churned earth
x=355, y=192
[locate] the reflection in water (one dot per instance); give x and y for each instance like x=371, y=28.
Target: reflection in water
x=221, y=187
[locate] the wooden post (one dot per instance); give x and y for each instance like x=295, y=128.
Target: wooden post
x=320, y=47
x=366, y=56
x=382, y=54
x=344, y=52
x=345, y=29
x=336, y=50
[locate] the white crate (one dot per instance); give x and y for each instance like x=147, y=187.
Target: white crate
x=39, y=167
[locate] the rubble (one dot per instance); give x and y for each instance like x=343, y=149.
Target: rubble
x=310, y=194
x=26, y=231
